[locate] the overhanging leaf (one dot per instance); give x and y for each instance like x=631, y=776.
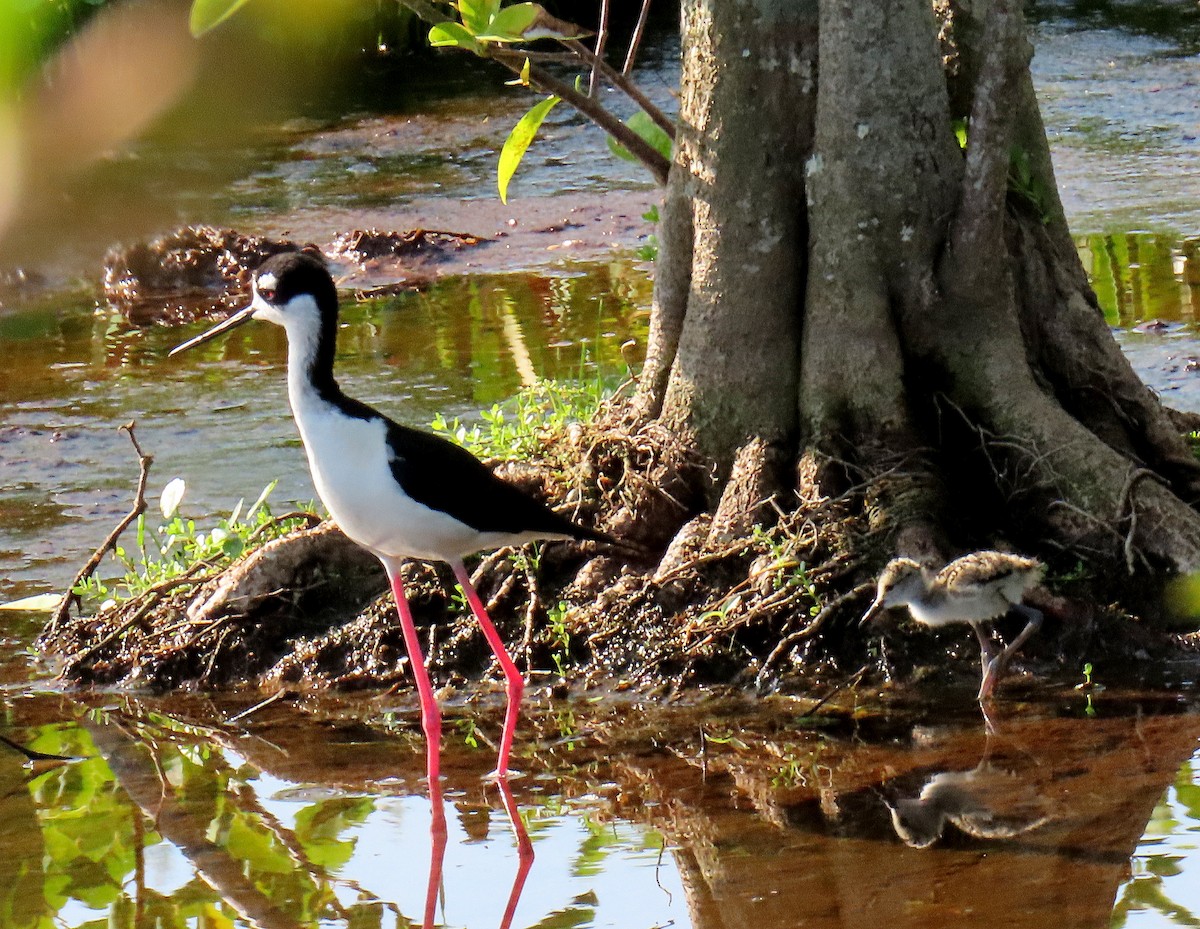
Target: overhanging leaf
x=452, y=34
x=477, y=14
x=518, y=142
x=648, y=130
x=510, y=23
x=208, y=14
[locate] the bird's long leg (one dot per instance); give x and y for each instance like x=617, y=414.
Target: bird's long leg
x=987, y=650
x=431, y=715
x=514, y=683
x=999, y=664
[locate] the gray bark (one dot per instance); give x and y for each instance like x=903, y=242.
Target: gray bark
x=747, y=89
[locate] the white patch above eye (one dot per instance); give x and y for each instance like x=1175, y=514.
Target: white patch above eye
x=266, y=281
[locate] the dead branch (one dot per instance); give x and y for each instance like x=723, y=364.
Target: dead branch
x=642, y=150
x=598, y=56
x=71, y=598
x=625, y=85
x=635, y=40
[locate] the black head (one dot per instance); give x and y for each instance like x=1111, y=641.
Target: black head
x=293, y=290
x=282, y=278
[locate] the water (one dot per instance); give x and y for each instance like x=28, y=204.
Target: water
x=314, y=811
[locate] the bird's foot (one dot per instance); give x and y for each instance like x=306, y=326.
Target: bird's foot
x=497, y=775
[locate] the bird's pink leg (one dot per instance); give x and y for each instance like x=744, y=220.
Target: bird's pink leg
x=514, y=683
x=431, y=716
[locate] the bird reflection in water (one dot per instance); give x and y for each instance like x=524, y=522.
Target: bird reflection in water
x=984, y=802
x=437, y=852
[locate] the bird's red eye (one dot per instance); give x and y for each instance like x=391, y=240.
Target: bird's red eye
x=267, y=293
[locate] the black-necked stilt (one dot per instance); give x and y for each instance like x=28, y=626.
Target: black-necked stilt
x=973, y=589
x=399, y=492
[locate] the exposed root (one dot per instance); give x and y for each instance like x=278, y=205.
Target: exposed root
x=771, y=606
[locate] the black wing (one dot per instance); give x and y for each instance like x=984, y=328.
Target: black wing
x=444, y=476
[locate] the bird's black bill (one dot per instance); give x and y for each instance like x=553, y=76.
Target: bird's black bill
x=241, y=316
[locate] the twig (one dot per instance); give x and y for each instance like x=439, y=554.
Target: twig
x=624, y=84
x=261, y=705
x=636, y=39
x=852, y=681
x=642, y=150
x=601, y=41
x=310, y=519
x=71, y=598
x=808, y=630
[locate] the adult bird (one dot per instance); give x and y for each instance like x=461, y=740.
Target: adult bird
x=973, y=589
x=399, y=492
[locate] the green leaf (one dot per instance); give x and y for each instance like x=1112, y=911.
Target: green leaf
x=647, y=129
x=262, y=498
x=42, y=603
x=208, y=14
x=518, y=142
x=510, y=23
x=453, y=34
x=478, y=14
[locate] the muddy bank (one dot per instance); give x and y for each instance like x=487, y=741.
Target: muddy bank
x=686, y=604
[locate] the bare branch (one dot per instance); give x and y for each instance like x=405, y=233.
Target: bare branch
x=71, y=598
x=635, y=40
x=601, y=41
x=547, y=83
x=625, y=85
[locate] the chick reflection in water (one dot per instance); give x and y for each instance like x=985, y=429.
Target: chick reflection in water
x=984, y=802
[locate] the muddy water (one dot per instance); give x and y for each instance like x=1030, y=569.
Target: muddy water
x=1060, y=810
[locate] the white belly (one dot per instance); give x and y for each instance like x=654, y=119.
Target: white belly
x=350, y=468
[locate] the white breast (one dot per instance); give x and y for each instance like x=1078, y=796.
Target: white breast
x=348, y=458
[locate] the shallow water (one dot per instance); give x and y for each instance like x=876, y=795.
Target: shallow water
x=315, y=812
x=711, y=815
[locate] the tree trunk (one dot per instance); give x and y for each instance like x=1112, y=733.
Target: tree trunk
x=937, y=328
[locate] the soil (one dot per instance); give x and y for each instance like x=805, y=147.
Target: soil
x=775, y=609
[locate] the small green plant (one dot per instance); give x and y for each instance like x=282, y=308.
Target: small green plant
x=177, y=546
x=520, y=427
x=649, y=250
x=469, y=732
x=1025, y=184
x=560, y=637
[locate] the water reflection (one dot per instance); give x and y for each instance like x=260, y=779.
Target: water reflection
x=307, y=816
x=1139, y=277
x=72, y=375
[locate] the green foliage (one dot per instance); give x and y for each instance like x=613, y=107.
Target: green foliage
x=560, y=637
x=522, y=426
x=30, y=32
x=960, y=132
x=1025, y=184
x=649, y=131
x=177, y=545
x=208, y=14
x=649, y=251
x=518, y=143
